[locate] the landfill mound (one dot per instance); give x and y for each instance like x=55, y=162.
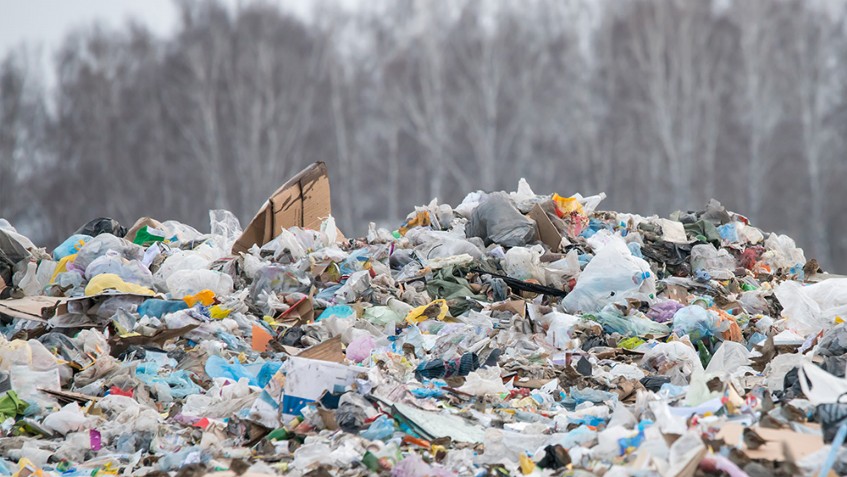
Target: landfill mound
x=513, y=334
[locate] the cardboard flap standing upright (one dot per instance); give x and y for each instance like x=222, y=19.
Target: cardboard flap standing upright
x=303, y=201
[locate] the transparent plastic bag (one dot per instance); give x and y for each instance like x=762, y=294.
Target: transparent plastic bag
x=190, y=282
x=101, y=245
x=697, y=323
x=524, y=263
x=225, y=228
x=717, y=263
x=674, y=359
x=130, y=271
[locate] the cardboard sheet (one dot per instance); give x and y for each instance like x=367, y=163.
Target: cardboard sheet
x=307, y=379
x=303, y=201
x=34, y=308
x=546, y=230
x=260, y=338
x=782, y=445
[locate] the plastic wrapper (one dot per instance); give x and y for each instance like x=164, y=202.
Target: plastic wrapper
x=70, y=246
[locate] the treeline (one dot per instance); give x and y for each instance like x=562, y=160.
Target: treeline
x=661, y=104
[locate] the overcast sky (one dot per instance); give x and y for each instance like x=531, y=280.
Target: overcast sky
x=45, y=22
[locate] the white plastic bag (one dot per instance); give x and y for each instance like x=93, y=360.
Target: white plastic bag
x=809, y=309
x=484, y=381
x=613, y=275
x=524, y=263
x=69, y=419
x=190, y=282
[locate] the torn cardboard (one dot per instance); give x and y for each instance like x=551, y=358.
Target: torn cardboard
x=782, y=444
x=307, y=379
x=32, y=308
x=303, y=201
x=547, y=232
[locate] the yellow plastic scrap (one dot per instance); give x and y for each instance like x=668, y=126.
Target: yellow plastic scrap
x=206, y=297
x=527, y=465
x=62, y=266
x=421, y=219
x=436, y=310
x=218, y=312
x=107, y=469
x=110, y=281
x=26, y=468
x=567, y=205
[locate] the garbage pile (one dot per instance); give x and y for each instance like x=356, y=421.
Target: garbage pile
x=512, y=334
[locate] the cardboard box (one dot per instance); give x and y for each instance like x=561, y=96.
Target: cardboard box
x=303, y=201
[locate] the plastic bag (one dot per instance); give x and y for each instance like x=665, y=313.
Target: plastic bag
x=634, y=325
x=110, y=281
x=559, y=326
x=729, y=358
x=101, y=245
x=360, y=348
x=484, y=381
x=524, y=263
x=717, y=263
x=497, y=220
x=131, y=271
x=697, y=323
x=675, y=359
x=809, y=309
x=432, y=244
x=613, y=275
x=225, y=228
x=70, y=246
x=69, y=419
x=190, y=282
x=782, y=253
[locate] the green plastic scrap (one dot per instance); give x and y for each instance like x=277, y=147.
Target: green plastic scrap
x=11, y=405
x=631, y=343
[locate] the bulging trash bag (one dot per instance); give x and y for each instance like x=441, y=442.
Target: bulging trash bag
x=613, y=275
x=131, y=271
x=497, y=220
x=102, y=225
x=833, y=348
